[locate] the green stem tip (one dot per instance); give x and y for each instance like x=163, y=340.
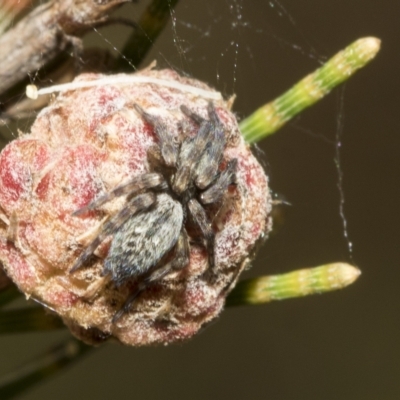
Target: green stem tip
x=299, y=283
x=272, y=116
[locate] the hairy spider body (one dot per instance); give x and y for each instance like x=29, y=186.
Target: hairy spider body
x=149, y=227
x=144, y=239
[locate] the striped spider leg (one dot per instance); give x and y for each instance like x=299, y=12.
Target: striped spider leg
x=150, y=237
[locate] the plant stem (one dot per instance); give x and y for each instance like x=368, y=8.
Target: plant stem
x=299, y=283
x=29, y=319
x=272, y=116
x=41, y=368
x=150, y=25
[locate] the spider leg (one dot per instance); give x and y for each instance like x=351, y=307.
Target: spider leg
x=145, y=181
x=195, y=117
x=169, y=149
x=199, y=142
x=155, y=158
x=208, y=165
x=181, y=178
x=180, y=261
x=189, y=155
x=212, y=114
x=225, y=178
x=137, y=204
x=201, y=219
x=201, y=155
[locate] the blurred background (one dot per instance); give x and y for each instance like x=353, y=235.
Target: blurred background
x=342, y=345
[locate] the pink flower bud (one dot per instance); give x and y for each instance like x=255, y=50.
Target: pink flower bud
x=90, y=141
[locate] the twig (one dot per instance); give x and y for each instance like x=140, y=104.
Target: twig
x=41, y=368
x=45, y=33
x=150, y=25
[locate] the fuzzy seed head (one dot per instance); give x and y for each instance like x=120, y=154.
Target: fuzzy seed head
x=82, y=146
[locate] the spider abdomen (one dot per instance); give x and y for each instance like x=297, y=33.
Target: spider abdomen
x=144, y=239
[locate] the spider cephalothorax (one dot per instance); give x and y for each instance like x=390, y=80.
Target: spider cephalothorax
x=161, y=207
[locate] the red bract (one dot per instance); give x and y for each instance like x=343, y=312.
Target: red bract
x=87, y=142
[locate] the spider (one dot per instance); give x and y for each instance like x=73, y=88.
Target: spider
x=150, y=237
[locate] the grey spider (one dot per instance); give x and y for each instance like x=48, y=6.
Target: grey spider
x=150, y=233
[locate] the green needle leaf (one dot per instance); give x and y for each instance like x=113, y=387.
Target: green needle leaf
x=8, y=295
x=298, y=283
x=151, y=23
x=41, y=368
x=272, y=116
x=30, y=319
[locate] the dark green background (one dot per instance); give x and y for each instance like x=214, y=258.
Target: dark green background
x=344, y=345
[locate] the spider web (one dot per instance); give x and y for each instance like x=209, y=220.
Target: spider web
x=255, y=50
x=219, y=42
